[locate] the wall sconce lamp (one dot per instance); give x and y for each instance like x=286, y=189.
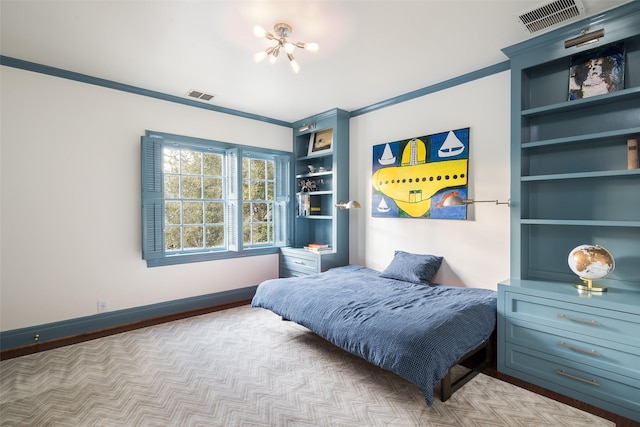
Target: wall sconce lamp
x=351, y=204
x=584, y=38
x=305, y=127
x=457, y=201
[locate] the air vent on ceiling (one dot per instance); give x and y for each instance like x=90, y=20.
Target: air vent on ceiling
x=550, y=14
x=199, y=95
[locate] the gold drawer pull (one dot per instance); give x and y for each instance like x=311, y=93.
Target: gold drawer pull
x=575, y=319
x=582, y=350
x=573, y=377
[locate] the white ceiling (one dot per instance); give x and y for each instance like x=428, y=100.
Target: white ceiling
x=370, y=51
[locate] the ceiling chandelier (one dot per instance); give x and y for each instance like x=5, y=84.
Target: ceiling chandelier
x=282, y=31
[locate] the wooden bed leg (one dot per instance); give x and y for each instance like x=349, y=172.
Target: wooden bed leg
x=445, y=387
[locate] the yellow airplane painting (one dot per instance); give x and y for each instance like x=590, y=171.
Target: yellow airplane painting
x=412, y=176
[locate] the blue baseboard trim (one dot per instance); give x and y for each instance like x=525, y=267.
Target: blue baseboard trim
x=83, y=325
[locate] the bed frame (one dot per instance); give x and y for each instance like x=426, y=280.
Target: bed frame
x=447, y=387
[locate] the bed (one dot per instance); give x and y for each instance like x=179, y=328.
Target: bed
x=413, y=328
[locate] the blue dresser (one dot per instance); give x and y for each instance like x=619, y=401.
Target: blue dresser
x=583, y=346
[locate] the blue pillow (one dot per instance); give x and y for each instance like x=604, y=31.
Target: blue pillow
x=414, y=268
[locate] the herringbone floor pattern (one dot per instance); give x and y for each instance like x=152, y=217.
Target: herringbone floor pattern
x=244, y=367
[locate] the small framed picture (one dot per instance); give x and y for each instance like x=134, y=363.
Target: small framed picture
x=321, y=142
x=597, y=72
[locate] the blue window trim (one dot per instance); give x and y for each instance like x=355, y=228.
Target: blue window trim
x=153, y=251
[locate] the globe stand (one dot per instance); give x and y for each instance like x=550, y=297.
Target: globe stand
x=588, y=286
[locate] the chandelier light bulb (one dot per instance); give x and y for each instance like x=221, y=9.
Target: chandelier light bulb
x=311, y=47
x=294, y=64
x=259, y=31
x=274, y=55
x=289, y=47
x=259, y=56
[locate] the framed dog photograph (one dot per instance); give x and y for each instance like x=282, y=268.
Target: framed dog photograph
x=597, y=72
x=321, y=142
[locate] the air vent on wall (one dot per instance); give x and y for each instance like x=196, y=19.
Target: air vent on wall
x=199, y=95
x=550, y=14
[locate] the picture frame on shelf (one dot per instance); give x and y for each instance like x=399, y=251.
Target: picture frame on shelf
x=597, y=72
x=321, y=142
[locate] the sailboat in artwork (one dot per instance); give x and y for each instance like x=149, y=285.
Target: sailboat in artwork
x=452, y=146
x=382, y=206
x=387, y=156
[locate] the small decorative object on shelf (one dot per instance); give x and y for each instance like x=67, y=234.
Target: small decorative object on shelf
x=308, y=185
x=591, y=262
x=632, y=154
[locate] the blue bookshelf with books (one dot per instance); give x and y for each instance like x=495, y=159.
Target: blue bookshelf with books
x=320, y=179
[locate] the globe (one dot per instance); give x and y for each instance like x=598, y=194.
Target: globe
x=591, y=262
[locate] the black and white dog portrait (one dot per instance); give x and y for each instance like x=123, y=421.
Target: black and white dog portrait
x=597, y=73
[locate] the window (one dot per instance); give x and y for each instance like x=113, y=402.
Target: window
x=192, y=209
x=258, y=197
x=193, y=200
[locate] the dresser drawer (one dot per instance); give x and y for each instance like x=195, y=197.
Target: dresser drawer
x=299, y=262
x=589, y=384
x=614, y=357
x=286, y=272
x=592, y=321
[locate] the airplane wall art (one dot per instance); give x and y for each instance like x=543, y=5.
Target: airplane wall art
x=413, y=178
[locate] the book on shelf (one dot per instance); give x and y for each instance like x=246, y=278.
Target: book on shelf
x=317, y=249
x=315, y=206
x=632, y=153
x=308, y=205
x=318, y=245
x=304, y=203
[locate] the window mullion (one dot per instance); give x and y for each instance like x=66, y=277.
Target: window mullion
x=234, y=209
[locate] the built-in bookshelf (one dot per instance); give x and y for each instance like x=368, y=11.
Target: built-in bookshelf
x=570, y=178
x=572, y=184
x=320, y=178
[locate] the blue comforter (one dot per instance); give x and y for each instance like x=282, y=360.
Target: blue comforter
x=415, y=331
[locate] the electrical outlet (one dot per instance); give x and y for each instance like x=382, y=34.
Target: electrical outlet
x=102, y=306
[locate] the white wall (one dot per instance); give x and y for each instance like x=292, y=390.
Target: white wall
x=69, y=157
x=476, y=251
x=70, y=199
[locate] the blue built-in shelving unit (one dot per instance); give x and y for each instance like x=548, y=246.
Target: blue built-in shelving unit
x=570, y=185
